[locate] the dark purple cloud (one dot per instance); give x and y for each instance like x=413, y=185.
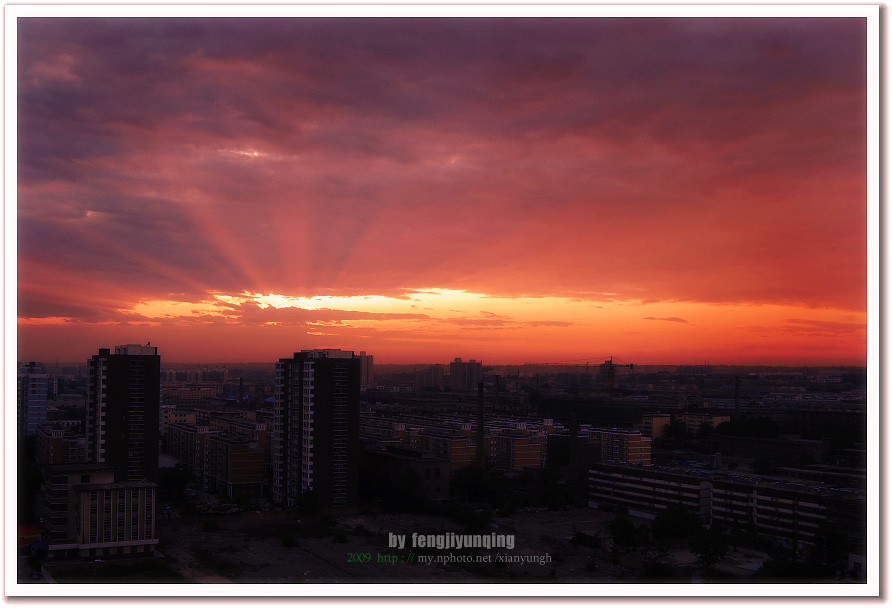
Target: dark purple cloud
x=717, y=160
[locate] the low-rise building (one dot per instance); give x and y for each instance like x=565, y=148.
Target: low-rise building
x=655, y=426
x=60, y=442
x=87, y=515
x=693, y=423
x=622, y=446
x=515, y=450
x=234, y=466
x=793, y=511
x=188, y=444
x=171, y=414
x=458, y=449
x=647, y=490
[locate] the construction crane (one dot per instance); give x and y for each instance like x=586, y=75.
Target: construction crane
x=611, y=375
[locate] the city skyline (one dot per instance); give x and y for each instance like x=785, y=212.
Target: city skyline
x=666, y=191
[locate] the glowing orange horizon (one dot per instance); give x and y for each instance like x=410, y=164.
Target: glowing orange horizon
x=435, y=324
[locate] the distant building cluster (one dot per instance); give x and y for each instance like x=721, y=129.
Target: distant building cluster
x=511, y=445
x=203, y=375
x=226, y=454
x=457, y=376
x=322, y=426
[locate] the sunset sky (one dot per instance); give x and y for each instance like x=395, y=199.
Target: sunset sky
x=505, y=189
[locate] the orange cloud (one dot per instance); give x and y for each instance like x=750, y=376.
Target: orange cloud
x=667, y=188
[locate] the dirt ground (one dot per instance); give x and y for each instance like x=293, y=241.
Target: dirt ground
x=276, y=548
x=347, y=549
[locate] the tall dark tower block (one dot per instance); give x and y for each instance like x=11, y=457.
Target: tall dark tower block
x=316, y=427
x=123, y=411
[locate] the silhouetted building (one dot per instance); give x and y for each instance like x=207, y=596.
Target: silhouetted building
x=465, y=376
x=33, y=392
x=431, y=377
x=123, y=411
x=315, y=440
x=366, y=370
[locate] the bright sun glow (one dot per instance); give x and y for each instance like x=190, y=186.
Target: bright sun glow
x=454, y=322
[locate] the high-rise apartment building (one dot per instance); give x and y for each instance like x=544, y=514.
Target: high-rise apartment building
x=123, y=411
x=315, y=443
x=465, y=376
x=366, y=369
x=32, y=393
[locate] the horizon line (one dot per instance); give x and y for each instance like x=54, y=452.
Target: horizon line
x=524, y=364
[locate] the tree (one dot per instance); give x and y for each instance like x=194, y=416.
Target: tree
x=653, y=558
x=676, y=522
x=622, y=529
x=705, y=431
x=396, y=491
x=750, y=427
x=828, y=553
x=677, y=432
x=470, y=484
x=28, y=480
x=172, y=483
x=308, y=503
x=764, y=465
x=710, y=547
